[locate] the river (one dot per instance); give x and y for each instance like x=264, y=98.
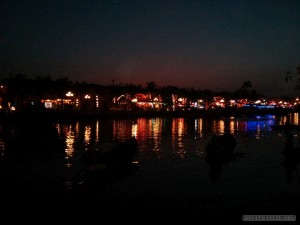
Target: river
x=173, y=175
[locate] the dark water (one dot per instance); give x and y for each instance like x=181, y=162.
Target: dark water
x=41, y=160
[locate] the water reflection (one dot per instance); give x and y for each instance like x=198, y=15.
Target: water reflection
x=257, y=127
x=219, y=126
x=292, y=118
x=225, y=125
x=152, y=133
x=198, y=128
x=2, y=147
x=169, y=144
x=258, y=133
x=122, y=129
x=134, y=130
x=178, y=132
x=156, y=128
x=231, y=125
x=97, y=132
x=295, y=118
x=161, y=138
x=70, y=140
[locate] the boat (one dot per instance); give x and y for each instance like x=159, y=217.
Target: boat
x=221, y=145
x=120, y=154
x=220, y=150
x=104, y=168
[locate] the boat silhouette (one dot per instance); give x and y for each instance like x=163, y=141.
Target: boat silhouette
x=220, y=151
x=101, y=169
x=221, y=145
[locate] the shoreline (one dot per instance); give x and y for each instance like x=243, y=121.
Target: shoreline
x=75, y=115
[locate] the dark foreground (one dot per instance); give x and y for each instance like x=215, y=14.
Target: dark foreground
x=255, y=184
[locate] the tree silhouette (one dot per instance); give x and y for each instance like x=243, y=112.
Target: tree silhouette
x=151, y=86
x=298, y=80
x=246, y=86
x=289, y=77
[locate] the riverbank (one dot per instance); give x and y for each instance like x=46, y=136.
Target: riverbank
x=76, y=115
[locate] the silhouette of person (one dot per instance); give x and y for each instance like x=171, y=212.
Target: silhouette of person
x=221, y=144
x=292, y=158
x=290, y=168
x=287, y=128
x=289, y=144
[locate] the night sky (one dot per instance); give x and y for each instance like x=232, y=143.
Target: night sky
x=215, y=45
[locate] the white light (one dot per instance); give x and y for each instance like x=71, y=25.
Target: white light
x=69, y=94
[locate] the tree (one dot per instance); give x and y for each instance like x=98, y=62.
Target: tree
x=151, y=86
x=245, y=91
x=246, y=86
x=289, y=77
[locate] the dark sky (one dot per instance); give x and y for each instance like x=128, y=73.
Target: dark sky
x=214, y=45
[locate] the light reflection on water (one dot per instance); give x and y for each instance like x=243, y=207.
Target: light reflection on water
x=161, y=138
x=173, y=166
x=292, y=118
x=178, y=133
x=2, y=147
x=172, y=160
x=70, y=139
